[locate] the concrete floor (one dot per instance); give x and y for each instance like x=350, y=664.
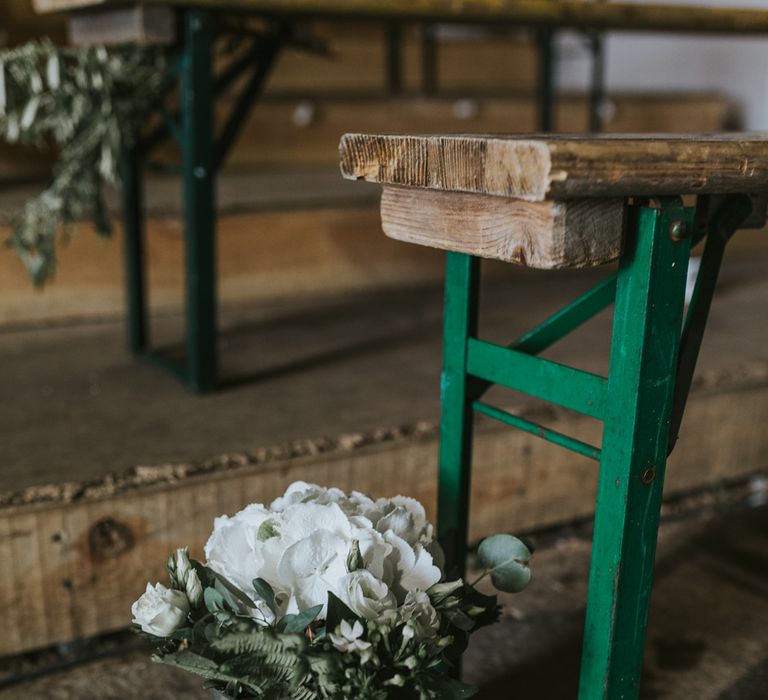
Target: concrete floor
x=708, y=637
x=74, y=406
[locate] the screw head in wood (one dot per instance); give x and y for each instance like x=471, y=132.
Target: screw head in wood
x=677, y=231
x=648, y=475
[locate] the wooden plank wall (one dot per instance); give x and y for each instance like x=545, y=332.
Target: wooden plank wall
x=307, y=131
x=72, y=569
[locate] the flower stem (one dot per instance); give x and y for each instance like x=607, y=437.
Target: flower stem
x=480, y=577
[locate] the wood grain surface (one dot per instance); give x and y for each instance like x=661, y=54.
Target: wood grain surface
x=543, y=235
x=564, y=13
x=536, y=168
x=72, y=569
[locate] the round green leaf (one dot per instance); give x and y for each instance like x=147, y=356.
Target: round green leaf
x=506, y=559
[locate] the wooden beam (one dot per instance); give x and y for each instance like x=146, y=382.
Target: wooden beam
x=536, y=168
x=544, y=235
x=561, y=13
x=123, y=25
x=75, y=558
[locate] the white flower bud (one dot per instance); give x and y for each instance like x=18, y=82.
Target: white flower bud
x=194, y=588
x=183, y=565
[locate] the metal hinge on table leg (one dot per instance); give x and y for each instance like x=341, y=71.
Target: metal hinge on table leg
x=721, y=217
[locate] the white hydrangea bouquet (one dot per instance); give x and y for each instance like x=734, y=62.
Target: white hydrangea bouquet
x=324, y=595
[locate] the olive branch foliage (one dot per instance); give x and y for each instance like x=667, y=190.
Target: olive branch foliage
x=87, y=102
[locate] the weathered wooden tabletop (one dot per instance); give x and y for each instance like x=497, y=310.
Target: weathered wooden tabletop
x=536, y=168
x=542, y=201
x=563, y=13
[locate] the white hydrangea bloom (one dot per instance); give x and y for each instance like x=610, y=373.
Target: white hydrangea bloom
x=303, y=542
x=313, y=566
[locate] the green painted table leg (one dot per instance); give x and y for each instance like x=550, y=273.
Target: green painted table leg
x=197, y=97
x=646, y=333
x=133, y=233
x=460, y=323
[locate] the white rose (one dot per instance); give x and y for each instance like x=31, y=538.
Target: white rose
x=366, y=595
x=160, y=610
x=422, y=620
x=313, y=566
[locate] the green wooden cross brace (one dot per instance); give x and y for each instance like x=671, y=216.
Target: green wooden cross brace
x=465, y=194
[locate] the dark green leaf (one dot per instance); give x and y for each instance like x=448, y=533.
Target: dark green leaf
x=451, y=689
x=236, y=600
x=214, y=600
x=459, y=619
x=183, y=633
x=298, y=624
x=265, y=592
x=337, y=611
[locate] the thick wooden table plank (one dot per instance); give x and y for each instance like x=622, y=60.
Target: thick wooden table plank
x=537, y=168
x=564, y=13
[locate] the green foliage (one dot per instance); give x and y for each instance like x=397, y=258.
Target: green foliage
x=300, y=657
x=89, y=103
x=299, y=623
x=506, y=559
x=264, y=592
x=338, y=611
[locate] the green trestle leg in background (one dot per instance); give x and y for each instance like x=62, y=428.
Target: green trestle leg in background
x=635, y=402
x=202, y=154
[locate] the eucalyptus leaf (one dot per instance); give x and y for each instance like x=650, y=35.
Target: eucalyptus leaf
x=235, y=599
x=506, y=559
x=214, y=600
x=298, y=624
x=266, y=593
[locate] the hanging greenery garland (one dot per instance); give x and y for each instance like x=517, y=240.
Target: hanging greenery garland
x=90, y=103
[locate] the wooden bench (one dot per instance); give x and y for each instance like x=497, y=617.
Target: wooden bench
x=192, y=27
x=573, y=202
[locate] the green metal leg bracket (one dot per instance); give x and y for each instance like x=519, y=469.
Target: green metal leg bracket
x=199, y=200
x=460, y=324
x=640, y=403
x=646, y=334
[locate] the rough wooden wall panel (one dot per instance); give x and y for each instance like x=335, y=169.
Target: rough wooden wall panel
x=71, y=569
